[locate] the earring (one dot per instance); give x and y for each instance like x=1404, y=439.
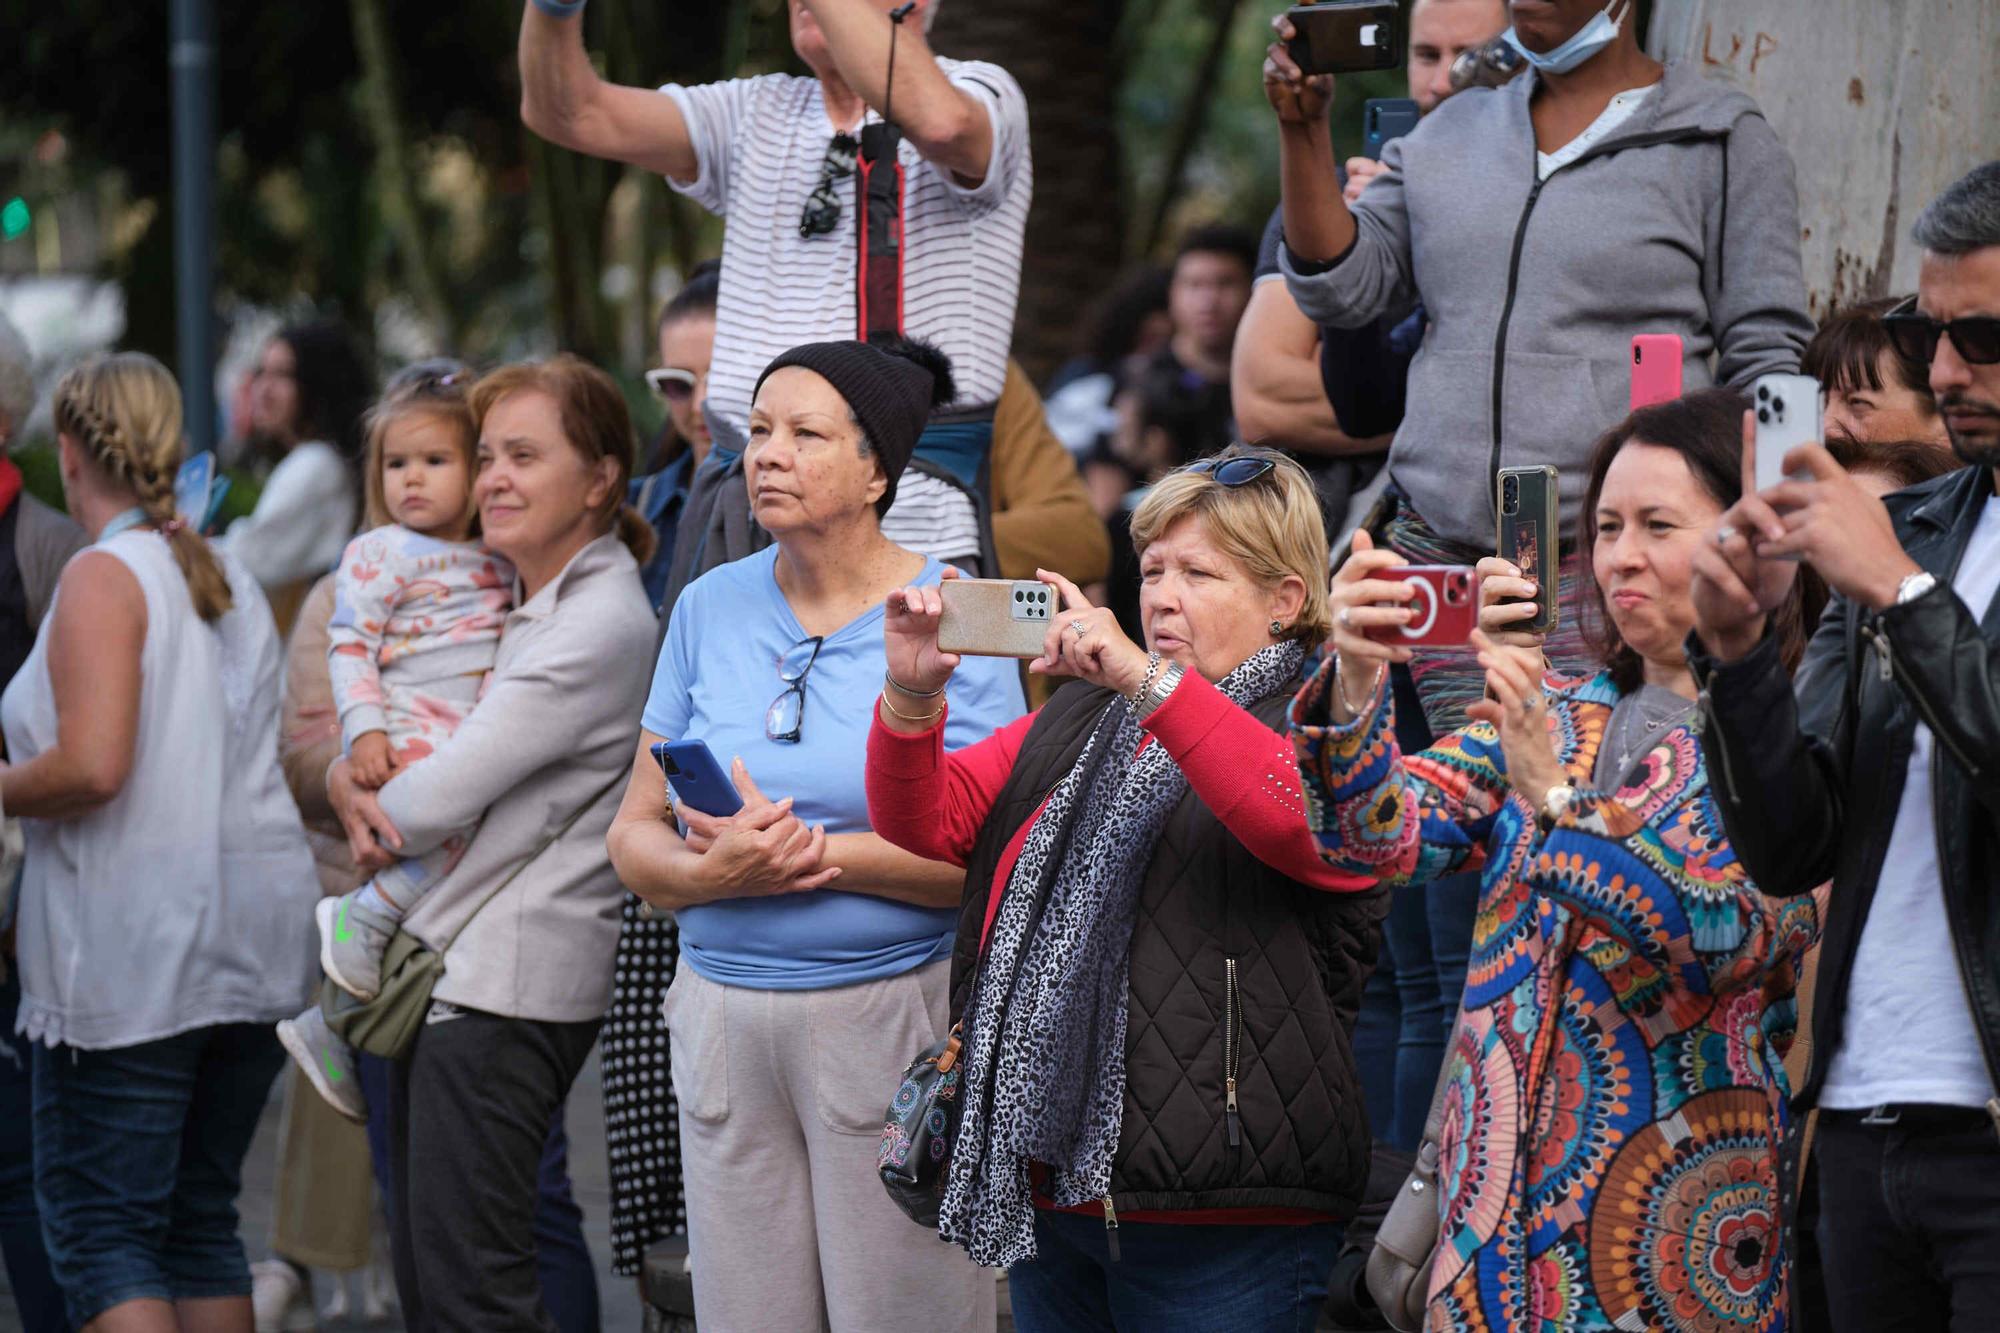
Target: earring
x=1277, y=629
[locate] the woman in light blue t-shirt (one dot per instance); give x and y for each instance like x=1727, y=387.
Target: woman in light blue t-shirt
x=814, y=954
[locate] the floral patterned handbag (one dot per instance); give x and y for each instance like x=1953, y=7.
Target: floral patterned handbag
x=916, y=1138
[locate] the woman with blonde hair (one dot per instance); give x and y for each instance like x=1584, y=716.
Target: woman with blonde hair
x=1155, y=976
x=164, y=904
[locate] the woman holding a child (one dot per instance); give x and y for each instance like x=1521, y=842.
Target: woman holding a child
x=528, y=915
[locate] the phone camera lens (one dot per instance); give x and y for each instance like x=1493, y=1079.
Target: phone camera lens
x=1018, y=596
x=1763, y=392
x=1638, y=355
x=1778, y=406
x=667, y=762
x=1764, y=415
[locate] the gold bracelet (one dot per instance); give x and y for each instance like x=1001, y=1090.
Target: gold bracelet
x=926, y=717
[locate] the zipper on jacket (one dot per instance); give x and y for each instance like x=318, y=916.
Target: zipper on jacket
x=1993, y=1111
x=1111, y=1227
x=1880, y=640
x=1500, y=345
x=1232, y=1051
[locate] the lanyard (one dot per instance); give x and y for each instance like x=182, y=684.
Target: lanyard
x=124, y=522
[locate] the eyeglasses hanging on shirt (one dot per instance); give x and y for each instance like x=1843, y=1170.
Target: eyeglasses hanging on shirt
x=786, y=717
x=822, y=211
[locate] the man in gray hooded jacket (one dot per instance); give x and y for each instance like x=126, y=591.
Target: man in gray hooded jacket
x=1543, y=224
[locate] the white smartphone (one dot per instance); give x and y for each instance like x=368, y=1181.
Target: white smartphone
x=1788, y=415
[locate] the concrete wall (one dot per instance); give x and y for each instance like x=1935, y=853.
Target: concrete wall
x=1882, y=103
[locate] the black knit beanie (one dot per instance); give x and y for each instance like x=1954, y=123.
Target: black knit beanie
x=891, y=385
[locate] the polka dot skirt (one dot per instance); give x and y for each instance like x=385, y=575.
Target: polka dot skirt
x=641, y=1120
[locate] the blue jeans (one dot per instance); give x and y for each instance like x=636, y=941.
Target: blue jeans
x=1423, y=1017
x=562, y=1256
x=1169, y=1278
x=138, y=1161
x=36, y=1296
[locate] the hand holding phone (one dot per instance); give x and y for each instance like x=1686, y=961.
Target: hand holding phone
x=1346, y=36
x=697, y=780
x=1530, y=537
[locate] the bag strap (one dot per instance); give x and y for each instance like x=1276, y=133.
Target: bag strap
x=531, y=857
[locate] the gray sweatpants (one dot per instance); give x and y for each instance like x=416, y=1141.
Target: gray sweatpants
x=782, y=1098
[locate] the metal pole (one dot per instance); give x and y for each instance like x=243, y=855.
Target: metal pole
x=192, y=60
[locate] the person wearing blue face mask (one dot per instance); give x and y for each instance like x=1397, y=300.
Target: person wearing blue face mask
x=1542, y=224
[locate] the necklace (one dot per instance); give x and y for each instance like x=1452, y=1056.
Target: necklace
x=1635, y=739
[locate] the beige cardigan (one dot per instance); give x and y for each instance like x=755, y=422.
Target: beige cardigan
x=554, y=730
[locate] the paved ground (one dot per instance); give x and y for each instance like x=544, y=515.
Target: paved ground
x=620, y=1297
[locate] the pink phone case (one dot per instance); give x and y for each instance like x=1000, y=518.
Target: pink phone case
x=1445, y=610
x=1656, y=369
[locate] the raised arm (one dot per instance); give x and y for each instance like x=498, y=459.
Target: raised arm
x=943, y=122
x=564, y=101
x=1274, y=380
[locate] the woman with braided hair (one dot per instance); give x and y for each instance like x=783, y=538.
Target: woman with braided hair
x=166, y=898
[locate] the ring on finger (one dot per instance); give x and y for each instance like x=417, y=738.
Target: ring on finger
x=1346, y=617
x=1080, y=627
x=1723, y=534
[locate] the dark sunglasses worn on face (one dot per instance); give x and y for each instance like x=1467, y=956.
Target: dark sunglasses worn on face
x=786, y=716
x=1976, y=338
x=822, y=211
x=1231, y=471
x=671, y=384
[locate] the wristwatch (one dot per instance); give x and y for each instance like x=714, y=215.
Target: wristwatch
x=1914, y=586
x=1556, y=803
x=1155, y=694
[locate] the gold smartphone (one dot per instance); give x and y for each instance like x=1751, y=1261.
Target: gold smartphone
x=995, y=617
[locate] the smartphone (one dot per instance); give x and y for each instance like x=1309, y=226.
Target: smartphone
x=697, y=779
x=1346, y=36
x=995, y=617
x=1384, y=119
x=1444, y=611
x=1656, y=369
x=1531, y=537
x=198, y=491
x=1788, y=415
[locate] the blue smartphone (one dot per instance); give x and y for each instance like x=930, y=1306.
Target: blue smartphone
x=1384, y=119
x=697, y=779
x=198, y=491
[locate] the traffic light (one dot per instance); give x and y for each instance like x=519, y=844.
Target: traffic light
x=15, y=218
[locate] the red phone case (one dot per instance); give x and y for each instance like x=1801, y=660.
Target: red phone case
x=1446, y=607
x=1656, y=369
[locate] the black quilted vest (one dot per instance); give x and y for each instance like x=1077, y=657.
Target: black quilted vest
x=1231, y=962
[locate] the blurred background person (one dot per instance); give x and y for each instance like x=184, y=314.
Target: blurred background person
x=686, y=336
x=35, y=543
x=308, y=392
x=1873, y=391
x=1126, y=328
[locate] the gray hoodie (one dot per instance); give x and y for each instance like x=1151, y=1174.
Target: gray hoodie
x=1685, y=220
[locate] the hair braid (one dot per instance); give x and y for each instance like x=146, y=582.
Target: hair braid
x=124, y=412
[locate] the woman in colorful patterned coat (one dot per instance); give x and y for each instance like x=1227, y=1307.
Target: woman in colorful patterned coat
x=1614, y=1099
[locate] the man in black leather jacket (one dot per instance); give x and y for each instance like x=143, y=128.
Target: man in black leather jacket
x=1884, y=775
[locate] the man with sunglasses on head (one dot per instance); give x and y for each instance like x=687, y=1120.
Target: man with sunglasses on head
x=777, y=157
x=1884, y=775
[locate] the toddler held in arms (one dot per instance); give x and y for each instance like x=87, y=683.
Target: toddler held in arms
x=419, y=604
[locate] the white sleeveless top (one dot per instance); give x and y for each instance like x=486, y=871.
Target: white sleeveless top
x=186, y=901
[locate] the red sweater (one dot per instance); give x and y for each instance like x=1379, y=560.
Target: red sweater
x=934, y=804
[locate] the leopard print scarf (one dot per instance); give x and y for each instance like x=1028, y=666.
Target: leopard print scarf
x=1045, y=1029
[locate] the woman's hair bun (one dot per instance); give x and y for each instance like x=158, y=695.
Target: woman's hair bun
x=927, y=355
